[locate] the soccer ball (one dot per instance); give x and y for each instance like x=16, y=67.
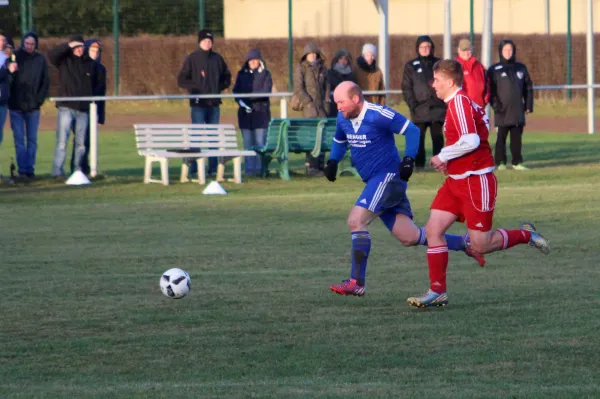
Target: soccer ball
x=175, y=283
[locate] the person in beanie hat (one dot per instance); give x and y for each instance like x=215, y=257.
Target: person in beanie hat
x=426, y=109
x=77, y=78
x=28, y=93
x=254, y=114
x=368, y=75
x=204, y=72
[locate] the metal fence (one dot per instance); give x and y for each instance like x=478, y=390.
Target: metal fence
x=283, y=96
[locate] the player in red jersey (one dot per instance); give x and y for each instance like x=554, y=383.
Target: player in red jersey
x=469, y=191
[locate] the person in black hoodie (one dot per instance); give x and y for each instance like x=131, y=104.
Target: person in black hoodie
x=7, y=69
x=28, y=92
x=254, y=114
x=426, y=109
x=77, y=78
x=511, y=96
x=204, y=72
x=341, y=71
x=93, y=49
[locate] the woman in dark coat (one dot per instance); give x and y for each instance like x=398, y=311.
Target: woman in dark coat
x=254, y=114
x=341, y=71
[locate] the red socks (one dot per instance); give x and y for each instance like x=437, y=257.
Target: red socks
x=510, y=238
x=437, y=258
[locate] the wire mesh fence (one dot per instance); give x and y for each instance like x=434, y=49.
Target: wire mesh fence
x=50, y=18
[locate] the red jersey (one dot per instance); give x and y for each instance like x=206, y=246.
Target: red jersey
x=474, y=81
x=464, y=116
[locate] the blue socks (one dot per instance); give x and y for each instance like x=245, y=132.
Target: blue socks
x=455, y=243
x=361, y=246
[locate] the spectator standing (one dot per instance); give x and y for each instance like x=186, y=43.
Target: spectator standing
x=28, y=92
x=77, y=78
x=341, y=71
x=8, y=46
x=93, y=49
x=6, y=69
x=311, y=96
x=426, y=109
x=254, y=114
x=474, y=75
x=511, y=96
x=204, y=72
x=368, y=75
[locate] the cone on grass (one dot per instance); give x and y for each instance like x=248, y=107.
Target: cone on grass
x=214, y=188
x=78, y=179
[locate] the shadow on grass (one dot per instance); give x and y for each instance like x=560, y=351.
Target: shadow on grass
x=562, y=153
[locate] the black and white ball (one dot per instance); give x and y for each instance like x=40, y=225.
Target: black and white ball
x=175, y=283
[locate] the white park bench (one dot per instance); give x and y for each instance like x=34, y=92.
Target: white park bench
x=159, y=142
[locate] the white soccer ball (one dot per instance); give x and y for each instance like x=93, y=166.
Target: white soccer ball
x=175, y=283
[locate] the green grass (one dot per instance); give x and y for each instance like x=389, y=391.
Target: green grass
x=83, y=316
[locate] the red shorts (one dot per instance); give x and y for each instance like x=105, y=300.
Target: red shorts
x=472, y=199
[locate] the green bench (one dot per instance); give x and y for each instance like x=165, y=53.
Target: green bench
x=297, y=135
x=274, y=148
x=345, y=165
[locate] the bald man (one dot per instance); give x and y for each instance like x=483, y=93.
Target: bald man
x=370, y=131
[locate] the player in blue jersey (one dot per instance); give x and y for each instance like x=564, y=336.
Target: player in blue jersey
x=370, y=131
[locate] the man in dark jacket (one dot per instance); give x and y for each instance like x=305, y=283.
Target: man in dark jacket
x=28, y=92
x=511, y=96
x=341, y=71
x=426, y=109
x=254, y=114
x=205, y=72
x=77, y=78
x=93, y=49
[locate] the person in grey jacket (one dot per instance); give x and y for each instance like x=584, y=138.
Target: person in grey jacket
x=311, y=95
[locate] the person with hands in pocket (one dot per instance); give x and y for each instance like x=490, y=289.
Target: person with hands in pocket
x=370, y=132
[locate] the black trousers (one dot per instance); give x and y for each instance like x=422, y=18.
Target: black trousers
x=516, y=144
x=437, y=140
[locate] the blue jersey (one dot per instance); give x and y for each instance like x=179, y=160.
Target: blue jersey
x=371, y=139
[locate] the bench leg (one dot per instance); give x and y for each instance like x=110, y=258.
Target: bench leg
x=237, y=170
x=221, y=169
x=201, y=162
x=185, y=171
x=164, y=171
x=148, y=171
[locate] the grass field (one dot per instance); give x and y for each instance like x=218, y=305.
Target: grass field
x=82, y=314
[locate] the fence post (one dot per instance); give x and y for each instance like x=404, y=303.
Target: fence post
x=590, y=66
x=23, y=16
x=201, y=14
x=472, y=23
x=30, y=16
x=116, y=44
x=283, y=106
x=290, y=49
x=569, y=51
x=93, y=139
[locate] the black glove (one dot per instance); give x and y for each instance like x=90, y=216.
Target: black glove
x=331, y=170
x=406, y=168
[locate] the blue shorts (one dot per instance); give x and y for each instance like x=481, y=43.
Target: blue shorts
x=385, y=193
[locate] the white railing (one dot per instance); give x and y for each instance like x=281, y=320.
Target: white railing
x=283, y=105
